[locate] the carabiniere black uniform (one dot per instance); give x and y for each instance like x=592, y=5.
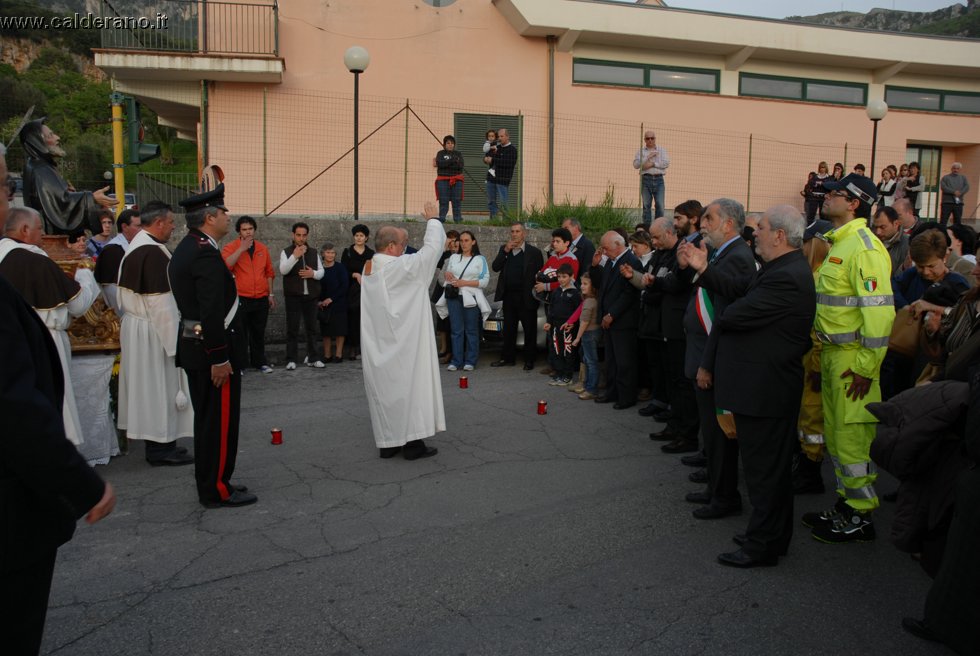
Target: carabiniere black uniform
x=205, y=292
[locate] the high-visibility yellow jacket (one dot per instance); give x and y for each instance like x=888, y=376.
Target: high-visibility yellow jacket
x=855, y=307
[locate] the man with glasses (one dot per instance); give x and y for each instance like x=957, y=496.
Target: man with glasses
x=652, y=162
x=855, y=311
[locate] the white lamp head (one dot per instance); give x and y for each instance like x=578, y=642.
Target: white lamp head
x=876, y=109
x=356, y=59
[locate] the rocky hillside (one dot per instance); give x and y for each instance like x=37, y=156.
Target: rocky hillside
x=955, y=20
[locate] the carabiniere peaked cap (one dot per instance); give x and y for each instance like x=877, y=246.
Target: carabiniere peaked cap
x=213, y=198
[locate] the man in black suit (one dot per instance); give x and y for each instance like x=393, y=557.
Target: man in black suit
x=581, y=247
x=45, y=485
x=721, y=226
x=517, y=262
x=755, y=354
x=209, y=348
x=618, y=310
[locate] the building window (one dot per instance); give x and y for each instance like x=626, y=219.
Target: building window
x=688, y=80
x=591, y=71
x=932, y=100
x=608, y=74
x=792, y=88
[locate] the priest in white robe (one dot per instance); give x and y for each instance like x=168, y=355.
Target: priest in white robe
x=398, y=344
x=55, y=297
x=153, y=393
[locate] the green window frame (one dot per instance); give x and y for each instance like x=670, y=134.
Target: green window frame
x=809, y=89
x=945, y=98
x=653, y=76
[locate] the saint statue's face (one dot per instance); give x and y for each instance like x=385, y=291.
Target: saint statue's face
x=52, y=141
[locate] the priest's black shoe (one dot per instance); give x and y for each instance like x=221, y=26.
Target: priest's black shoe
x=603, y=399
x=699, y=476
x=389, y=451
x=717, y=511
x=621, y=405
x=743, y=560
x=235, y=500
x=920, y=629
x=502, y=363
x=175, y=459
x=697, y=460
x=698, y=497
x=666, y=435
x=680, y=445
x=417, y=449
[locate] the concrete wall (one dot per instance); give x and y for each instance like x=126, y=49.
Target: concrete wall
x=275, y=233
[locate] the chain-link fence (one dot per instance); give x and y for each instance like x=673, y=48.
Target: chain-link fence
x=291, y=153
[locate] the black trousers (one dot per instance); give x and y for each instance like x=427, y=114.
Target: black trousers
x=680, y=390
x=24, y=604
x=255, y=314
x=950, y=210
x=517, y=310
x=722, y=452
x=621, y=347
x=298, y=307
x=653, y=371
x=216, y=416
x=767, y=445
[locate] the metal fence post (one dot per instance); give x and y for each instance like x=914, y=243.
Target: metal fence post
x=748, y=183
x=405, y=166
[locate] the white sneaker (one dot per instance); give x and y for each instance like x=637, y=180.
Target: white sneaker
x=467, y=367
x=290, y=366
x=452, y=367
x=266, y=369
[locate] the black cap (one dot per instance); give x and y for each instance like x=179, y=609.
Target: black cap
x=818, y=227
x=214, y=198
x=859, y=186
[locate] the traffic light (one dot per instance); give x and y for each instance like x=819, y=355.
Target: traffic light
x=139, y=152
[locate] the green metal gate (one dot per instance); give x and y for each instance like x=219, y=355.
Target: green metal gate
x=470, y=132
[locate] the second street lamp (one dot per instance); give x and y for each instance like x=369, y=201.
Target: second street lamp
x=876, y=111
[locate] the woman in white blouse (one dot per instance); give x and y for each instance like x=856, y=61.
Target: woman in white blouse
x=467, y=275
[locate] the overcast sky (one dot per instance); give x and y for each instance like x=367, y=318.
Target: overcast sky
x=784, y=8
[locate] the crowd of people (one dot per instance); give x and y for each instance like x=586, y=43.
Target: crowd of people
x=763, y=344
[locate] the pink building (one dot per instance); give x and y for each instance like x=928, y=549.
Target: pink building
x=745, y=106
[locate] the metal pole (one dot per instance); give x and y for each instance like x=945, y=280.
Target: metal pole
x=405, y=166
x=551, y=120
x=874, y=147
x=748, y=182
x=357, y=75
x=118, y=168
x=265, y=152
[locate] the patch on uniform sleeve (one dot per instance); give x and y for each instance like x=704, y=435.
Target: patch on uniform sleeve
x=870, y=283
x=835, y=260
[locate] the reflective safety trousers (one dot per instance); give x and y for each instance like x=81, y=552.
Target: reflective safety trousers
x=849, y=429
x=811, y=408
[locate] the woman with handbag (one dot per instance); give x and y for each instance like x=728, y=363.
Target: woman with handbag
x=466, y=276
x=332, y=308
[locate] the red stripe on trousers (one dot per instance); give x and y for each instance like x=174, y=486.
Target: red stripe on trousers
x=223, y=452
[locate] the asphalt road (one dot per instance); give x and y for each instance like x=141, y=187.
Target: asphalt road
x=558, y=534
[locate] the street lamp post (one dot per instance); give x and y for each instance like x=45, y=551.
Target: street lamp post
x=876, y=111
x=356, y=59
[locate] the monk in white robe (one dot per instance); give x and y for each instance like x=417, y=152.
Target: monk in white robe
x=154, y=405
x=398, y=344
x=55, y=297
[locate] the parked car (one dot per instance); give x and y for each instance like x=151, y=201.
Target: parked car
x=493, y=327
x=129, y=201
x=15, y=190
